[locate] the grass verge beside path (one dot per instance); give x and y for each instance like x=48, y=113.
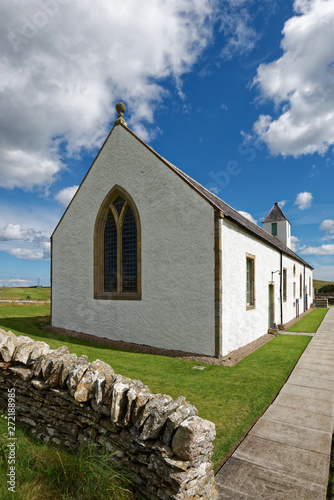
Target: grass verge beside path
x=311, y=322
x=232, y=398
x=44, y=472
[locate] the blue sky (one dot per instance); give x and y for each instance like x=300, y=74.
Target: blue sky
x=238, y=94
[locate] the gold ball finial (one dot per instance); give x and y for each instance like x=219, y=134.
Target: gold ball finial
x=120, y=108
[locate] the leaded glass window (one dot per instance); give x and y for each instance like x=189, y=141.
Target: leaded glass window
x=129, y=252
x=117, y=248
x=110, y=254
x=250, y=282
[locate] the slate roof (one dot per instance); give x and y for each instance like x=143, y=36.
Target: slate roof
x=275, y=214
x=234, y=216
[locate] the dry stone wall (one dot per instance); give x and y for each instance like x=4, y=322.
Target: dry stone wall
x=71, y=402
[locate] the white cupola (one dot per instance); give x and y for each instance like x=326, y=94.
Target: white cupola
x=278, y=225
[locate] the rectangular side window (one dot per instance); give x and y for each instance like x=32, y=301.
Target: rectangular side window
x=284, y=284
x=250, y=281
x=274, y=228
x=301, y=287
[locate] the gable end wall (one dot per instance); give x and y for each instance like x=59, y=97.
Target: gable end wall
x=177, y=310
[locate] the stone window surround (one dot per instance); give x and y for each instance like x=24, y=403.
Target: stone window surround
x=98, y=246
x=251, y=305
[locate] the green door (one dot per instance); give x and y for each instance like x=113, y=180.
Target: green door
x=271, y=313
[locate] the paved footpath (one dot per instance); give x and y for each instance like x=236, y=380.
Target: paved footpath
x=286, y=455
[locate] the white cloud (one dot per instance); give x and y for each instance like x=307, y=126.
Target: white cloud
x=19, y=282
x=64, y=64
x=248, y=216
x=65, y=195
x=304, y=200
x=15, y=232
x=327, y=225
x=34, y=245
x=294, y=243
x=301, y=84
x=282, y=203
x=237, y=26
x=29, y=254
x=25, y=169
x=322, y=250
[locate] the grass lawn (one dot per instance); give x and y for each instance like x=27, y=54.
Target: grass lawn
x=232, y=398
x=9, y=293
x=311, y=322
x=46, y=473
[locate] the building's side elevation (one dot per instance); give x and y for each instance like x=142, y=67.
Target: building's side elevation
x=145, y=254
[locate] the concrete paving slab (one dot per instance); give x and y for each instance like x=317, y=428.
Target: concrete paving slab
x=317, y=341
x=315, y=367
x=327, y=385
x=238, y=480
x=300, y=416
x=323, y=347
x=323, y=362
x=285, y=459
x=313, y=405
x=326, y=358
x=297, y=333
x=311, y=372
x=307, y=392
x=293, y=435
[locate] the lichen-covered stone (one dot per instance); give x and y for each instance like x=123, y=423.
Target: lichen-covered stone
x=85, y=388
x=22, y=372
x=52, y=360
x=37, y=351
x=193, y=437
x=40, y=384
x=135, y=389
x=105, y=378
x=57, y=368
x=69, y=362
x=119, y=399
x=176, y=418
x=4, y=337
x=142, y=398
x=76, y=374
x=155, y=415
x=9, y=348
x=23, y=352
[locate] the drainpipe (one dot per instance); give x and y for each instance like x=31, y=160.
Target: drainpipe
x=304, y=290
x=280, y=288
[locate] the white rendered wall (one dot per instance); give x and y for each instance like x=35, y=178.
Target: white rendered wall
x=290, y=305
x=242, y=326
x=283, y=231
x=177, y=306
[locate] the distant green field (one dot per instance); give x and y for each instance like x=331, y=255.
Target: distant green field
x=9, y=293
x=319, y=283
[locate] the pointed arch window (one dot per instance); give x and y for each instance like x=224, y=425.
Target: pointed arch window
x=117, y=242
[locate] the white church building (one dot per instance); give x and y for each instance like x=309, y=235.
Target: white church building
x=145, y=254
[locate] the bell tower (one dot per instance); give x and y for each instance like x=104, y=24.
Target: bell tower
x=278, y=225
